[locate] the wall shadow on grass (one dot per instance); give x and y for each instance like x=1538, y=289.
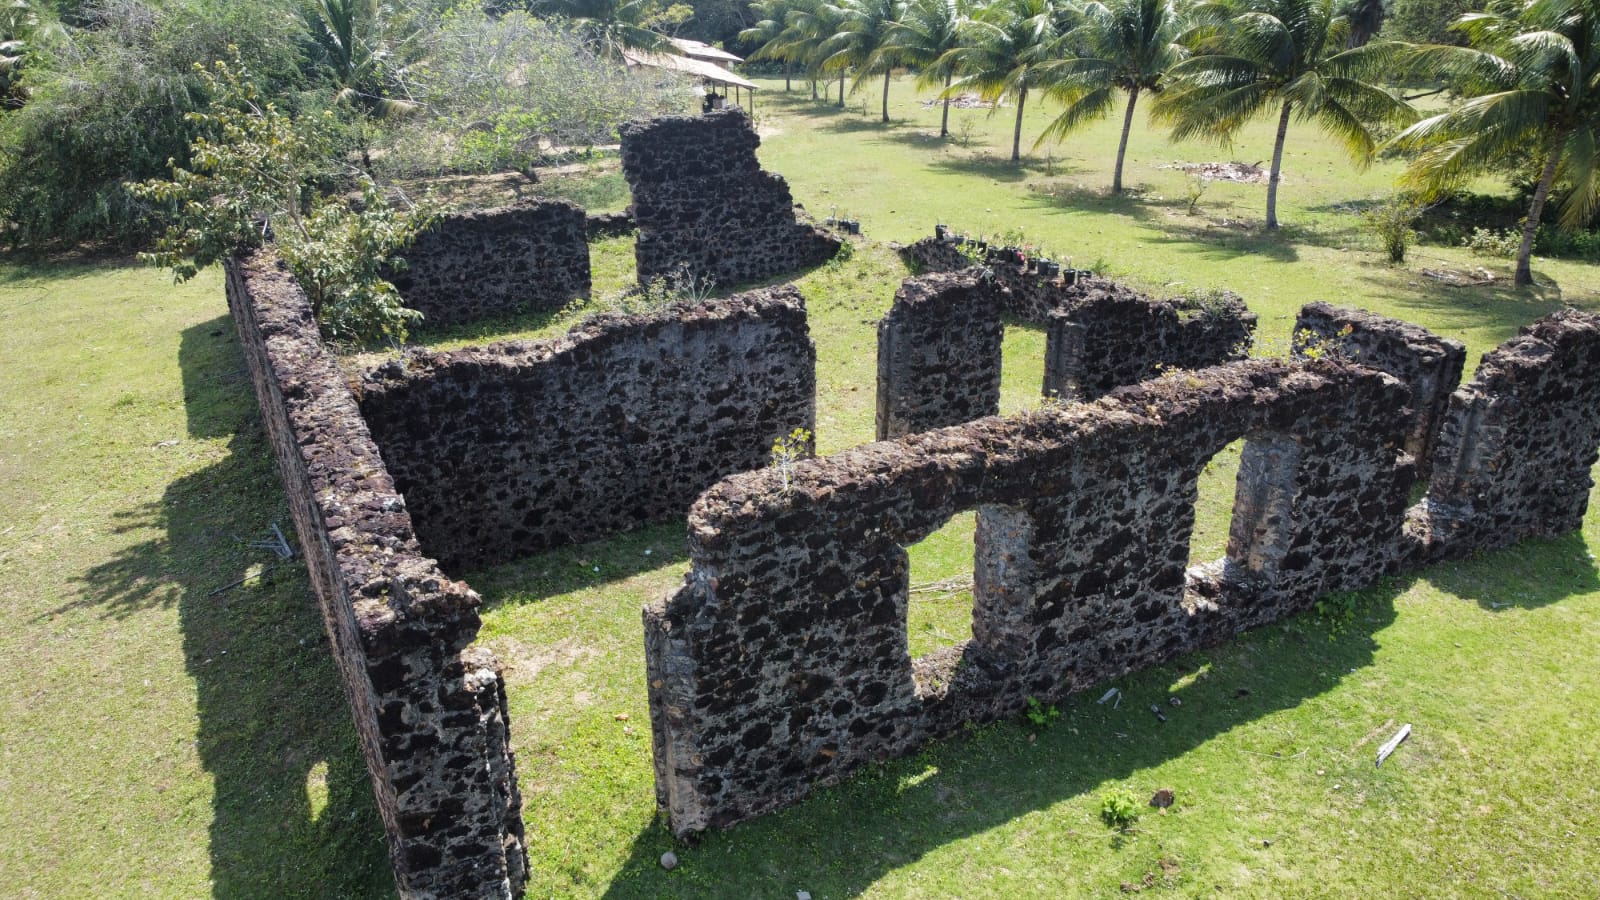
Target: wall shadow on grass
x=292, y=812
x=847, y=837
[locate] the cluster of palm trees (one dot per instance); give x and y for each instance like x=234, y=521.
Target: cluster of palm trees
x=1530, y=77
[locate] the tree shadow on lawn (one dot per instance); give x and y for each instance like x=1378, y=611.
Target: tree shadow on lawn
x=1500, y=309
x=292, y=810
x=842, y=839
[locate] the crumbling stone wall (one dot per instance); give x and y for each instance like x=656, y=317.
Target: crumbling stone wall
x=532, y=256
x=1100, y=335
x=1110, y=336
x=938, y=355
x=703, y=205
x=508, y=449
x=1517, y=442
x=429, y=707
x=782, y=663
x=1428, y=364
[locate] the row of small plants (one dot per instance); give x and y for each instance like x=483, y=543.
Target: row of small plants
x=1008, y=247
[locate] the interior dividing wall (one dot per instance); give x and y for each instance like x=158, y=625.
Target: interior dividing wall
x=505, y=450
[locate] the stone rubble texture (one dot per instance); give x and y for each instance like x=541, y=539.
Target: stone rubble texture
x=782, y=662
x=506, y=450
x=1428, y=364
x=493, y=262
x=703, y=205
x=429, y=707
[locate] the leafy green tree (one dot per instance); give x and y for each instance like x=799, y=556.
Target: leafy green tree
x=864, y=42
x=255, y=173
x=1127, y=46
x=612, y=26
x=1004, y=50
x=1283, y=56
x=1533, y=83
x=107, y=104
x=924, y=37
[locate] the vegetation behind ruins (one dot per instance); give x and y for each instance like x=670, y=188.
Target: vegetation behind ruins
x=173, y=726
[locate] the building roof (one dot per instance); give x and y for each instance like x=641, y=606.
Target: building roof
x=688, y=65
x=699, y=50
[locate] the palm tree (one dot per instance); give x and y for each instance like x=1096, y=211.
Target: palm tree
x=766, y=31
x=610, y=26
x=1001, y=54
x=926, y=33
x=864, y=43
x=1284, y=56
x=1534, y=81
x=1127, y=45
x=352, y=40
x=807, y=26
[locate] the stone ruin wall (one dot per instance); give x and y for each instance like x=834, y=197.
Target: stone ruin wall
x=939, y=345
x=513, y=448
x=429, y=707
x=1518, y=443
x=1430, y=365
x=493, y=262
x=782, y=662
x=938, y=355
x=703, y=204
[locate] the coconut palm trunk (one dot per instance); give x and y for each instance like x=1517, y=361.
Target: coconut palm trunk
x=1122, y=146
x=1277, y=166
x=841, y=89
x=944, y=122
x=886, y=74
x=1016, y=133
x=1524, y=275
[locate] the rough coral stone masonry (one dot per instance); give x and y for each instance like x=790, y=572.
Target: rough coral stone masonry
x=704, y=206
x=1518, y=442
x=429, y=707
x=1428, y=364
x=505, y=450
x=938, y=354
x=782, y=663
x=469, y=265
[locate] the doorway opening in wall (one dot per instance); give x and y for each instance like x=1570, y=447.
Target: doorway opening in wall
x=939, y=604
x=1021, y=368
x=1213, y=508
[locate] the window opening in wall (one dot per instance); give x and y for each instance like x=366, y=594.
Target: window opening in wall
x=611, y=265
x=1021, y=368
x=939, y=606
x=1213, y=509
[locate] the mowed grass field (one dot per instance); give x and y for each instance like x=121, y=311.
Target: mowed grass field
x=163, y=734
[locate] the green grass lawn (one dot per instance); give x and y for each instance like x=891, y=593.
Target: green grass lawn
x=161, y=738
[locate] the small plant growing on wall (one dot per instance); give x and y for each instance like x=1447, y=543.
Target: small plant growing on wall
x=788, y=450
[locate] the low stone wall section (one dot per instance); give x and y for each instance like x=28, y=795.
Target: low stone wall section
x=513, y=448
x=938, y=355
x=705, y=208
x=1100, y=334
x=782, y=663
x=429, y=707
x=1430, y=365
x=1518, y=442
x=469, y=265
x=1109, y=336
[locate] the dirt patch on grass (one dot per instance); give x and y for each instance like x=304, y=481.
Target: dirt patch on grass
x=1244, y=173
x=963, y=101
x=524, y=661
